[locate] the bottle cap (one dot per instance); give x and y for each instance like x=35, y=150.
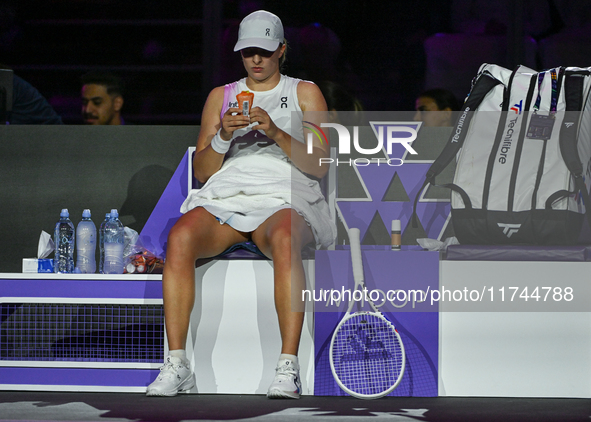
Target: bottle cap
x=395, y=225
x=86, y=213
x=114, y=213
x=64, y=213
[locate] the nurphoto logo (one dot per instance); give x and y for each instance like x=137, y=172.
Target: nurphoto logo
x=386, y=134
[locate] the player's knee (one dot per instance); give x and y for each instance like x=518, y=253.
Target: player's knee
x=285, y=246
x=180, y=236
x=280, y=239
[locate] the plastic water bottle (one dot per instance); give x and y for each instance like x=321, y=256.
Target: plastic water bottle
x=63, y=238
x=114, y=242
x=86, y=244
x=102, y=244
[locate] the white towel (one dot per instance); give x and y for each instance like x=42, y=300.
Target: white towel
x=255, y=182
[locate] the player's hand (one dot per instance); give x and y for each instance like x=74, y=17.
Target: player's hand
x=232, y=121
x=265, y=123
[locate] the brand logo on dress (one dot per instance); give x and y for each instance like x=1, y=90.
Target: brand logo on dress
x=517, y=107
x=509, y=229
x=283, y=102
x=568, y=124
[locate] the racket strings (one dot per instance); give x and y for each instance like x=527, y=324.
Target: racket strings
x=367, y=354
x=420, y=374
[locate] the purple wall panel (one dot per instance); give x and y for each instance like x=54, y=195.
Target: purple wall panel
x=133, y=289
x=78, y=376
x=418, y=326
x=167, y=211
x=432, y=215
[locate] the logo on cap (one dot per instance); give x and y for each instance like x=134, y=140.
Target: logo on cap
x=268, y=33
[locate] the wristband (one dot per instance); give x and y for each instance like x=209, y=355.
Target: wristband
x=219, y=145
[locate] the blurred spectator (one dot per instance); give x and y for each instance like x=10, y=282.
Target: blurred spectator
x=320, y=49
x=29, y=107
x=339, y=100
x=573, y=14
x=436, y=107
x=570, y=43
x=493, y=18
x=319, y=57
x=102, y=98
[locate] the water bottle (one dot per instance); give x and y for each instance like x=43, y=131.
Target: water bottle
x=102, y=244
x=86, y=244
x=114, y=242
x=63, y=238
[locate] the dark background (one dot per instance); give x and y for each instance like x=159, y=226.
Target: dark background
x=171, y=53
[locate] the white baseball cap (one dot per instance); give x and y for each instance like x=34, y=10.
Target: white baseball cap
x=260, y=29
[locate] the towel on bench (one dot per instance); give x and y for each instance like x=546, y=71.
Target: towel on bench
x=254, y=183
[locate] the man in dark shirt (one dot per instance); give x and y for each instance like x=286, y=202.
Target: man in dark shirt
x=102, y=99
x=29, y=107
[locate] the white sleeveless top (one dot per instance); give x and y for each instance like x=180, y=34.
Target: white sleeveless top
x=282, y=105
x=279, y=102
x=250, y=154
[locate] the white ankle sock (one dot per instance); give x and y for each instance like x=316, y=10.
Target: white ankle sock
x=179, y=353
x=293, y=358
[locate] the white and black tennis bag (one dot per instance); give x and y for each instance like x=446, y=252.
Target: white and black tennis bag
x=523, y=146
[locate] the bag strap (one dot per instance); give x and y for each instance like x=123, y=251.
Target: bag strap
x=518, y=148
x=573, y=94
x=483, y=86
x=498, y=138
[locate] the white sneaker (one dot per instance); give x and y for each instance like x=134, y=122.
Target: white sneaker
x=174, y=376
x=287, y=384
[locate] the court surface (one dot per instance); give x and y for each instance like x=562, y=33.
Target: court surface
x=122, y=407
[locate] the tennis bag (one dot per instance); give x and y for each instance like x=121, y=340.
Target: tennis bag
x=523, y=146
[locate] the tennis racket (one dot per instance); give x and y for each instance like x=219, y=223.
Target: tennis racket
x=367, y=357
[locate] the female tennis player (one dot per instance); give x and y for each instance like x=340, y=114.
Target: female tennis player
x=237, y=156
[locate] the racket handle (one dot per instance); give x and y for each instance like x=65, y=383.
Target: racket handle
x=354, y=235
